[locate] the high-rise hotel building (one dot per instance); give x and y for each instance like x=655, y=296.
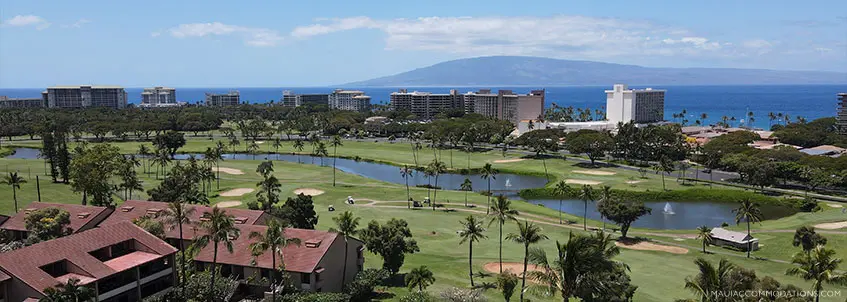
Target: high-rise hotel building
x=352, y=100
x=85, y=96
x=158, y=96
x=425, y=105
x=233, y=98
x=504, y=104
x=637, y=105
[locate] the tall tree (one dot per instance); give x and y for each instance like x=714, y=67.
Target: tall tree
x=170, y=141
x=420, y=277
x=391, y=241
x=562, y=190
x=269, y=187
x=501, y=212
x=623, y=213
x=219, y=228
x=128, y=176
x=819, y=266
x=144, y=152
x=347, y=225
x=528, y=234
x=91, y=173
x=175, y=216
x=488, y=173
x=298, y=212
x=507, y=282
x=15, y=182
x=213, y=156
x=406, y=172
x=298, y=145
x=273, y=239
x=335, y=143
x=806, y=238
x=472, y=231
x=749, y=212
x=71, y=291
x=586, y=194
x=436, y=168
x=466, y=186
x=704, y=233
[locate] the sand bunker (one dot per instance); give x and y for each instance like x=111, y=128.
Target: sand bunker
x=601, y=173
x=237, y=192
x=228, y=204
x=260, y=142
x=832, y=225
x=515, y=267
x=308, y=191
x=582, y=182
x=632, y=182
x=513, y=160
x=228, y=171
x=649, y=246
x=832, y=205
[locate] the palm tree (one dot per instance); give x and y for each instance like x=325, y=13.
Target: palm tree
x=488, y=173
x=273, y=239
x=704, y=233
x=749, y=212
x=346, y=225
x=162, y=159
x=472, y=230
x=277, y=144
x=501, y=212
x=466, y=186
x=419, y=277
x=711, y=280
x=819, y=266
x=335, y=143
x=562, y=189
x=576, y=261
x=586, y=194
x=144, y=152
x=70, y=291
x=704, y=116
x=606, y=196
x=214, y=157
x=175, y=216
x=806, y=238
x=298, y=145
x=15, y=182
x=320, y=151
x=527, y=235
x=219, y=229
x=436, y=168
x=406, y=172
x=252, y=148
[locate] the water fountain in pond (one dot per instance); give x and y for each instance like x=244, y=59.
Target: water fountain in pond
x=668, y=209
x=508, y=184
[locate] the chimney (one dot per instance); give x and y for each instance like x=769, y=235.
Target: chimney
x=127, y=209
x=313, y=243
x=83, y=215
x=240, y=220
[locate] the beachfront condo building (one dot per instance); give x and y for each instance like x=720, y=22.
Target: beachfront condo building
x=505, y=104
x=352, y=100
x=86, y=96
x=7, y=102
x=290, y=99
x=425, y=105
x=232, y=98
x=158, y=97
x=842, y=113
x=636, y=105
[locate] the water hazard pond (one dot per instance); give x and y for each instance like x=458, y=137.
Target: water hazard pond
x=685, y=215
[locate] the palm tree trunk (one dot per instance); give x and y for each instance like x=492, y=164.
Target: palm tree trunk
x=182, y=251
x=501, y=247
x=408, y=194
x=15, y=197
x=219, y=174
x=525, y=259
x=273, y=271
x=663, y=182
x=214, y=271
x=470, y=261
x=544, y=162
x=560, y=211
x=466, y=199
x=584, y=215
x=488, y=207
x=748, y=235
x=334, y=158
x=435, y=192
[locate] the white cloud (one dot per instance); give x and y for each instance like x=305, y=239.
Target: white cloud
x=27, y=20
x=79, y=23
x=559, y=36
x=251, y=35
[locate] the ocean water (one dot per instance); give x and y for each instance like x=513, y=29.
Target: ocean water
x=808, y=101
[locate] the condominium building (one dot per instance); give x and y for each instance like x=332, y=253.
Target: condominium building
x=506, y=105
x=233, y=98
x=290, y=99
x=7, y=102
x=86, y=96
x=842, y=113
x=637, y=105
x=352, y=100
x=158, y=97
x=426, y=105
x=82, y=217
x=119, y=263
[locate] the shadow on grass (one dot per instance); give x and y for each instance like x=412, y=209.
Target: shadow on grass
x=596, y=165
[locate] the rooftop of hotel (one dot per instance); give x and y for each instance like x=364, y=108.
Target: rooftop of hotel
x=134, y=209
x=90, y=86
x=27, y=263
x=80, y=215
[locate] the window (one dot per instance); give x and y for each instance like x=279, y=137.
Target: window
x=305, y=278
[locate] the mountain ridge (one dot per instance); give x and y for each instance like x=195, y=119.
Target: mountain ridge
x=536, y=71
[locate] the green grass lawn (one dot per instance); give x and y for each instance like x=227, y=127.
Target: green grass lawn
x=659, y=275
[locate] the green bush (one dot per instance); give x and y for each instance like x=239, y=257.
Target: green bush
x=418, y=297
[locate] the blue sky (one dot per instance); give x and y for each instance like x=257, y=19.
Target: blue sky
x=318, y=42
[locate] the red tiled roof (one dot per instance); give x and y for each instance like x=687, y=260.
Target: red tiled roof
x=297, y=258
x=133, y=209
x=25, y=264
x=78, y=215
x=4, y=277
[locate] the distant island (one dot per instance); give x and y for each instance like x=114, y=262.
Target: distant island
x=537, y=71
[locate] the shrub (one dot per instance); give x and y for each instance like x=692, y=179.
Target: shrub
x=462, y=295
x=418, y=297
x=807, y=204
x=315, y=297
x=362, y=288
